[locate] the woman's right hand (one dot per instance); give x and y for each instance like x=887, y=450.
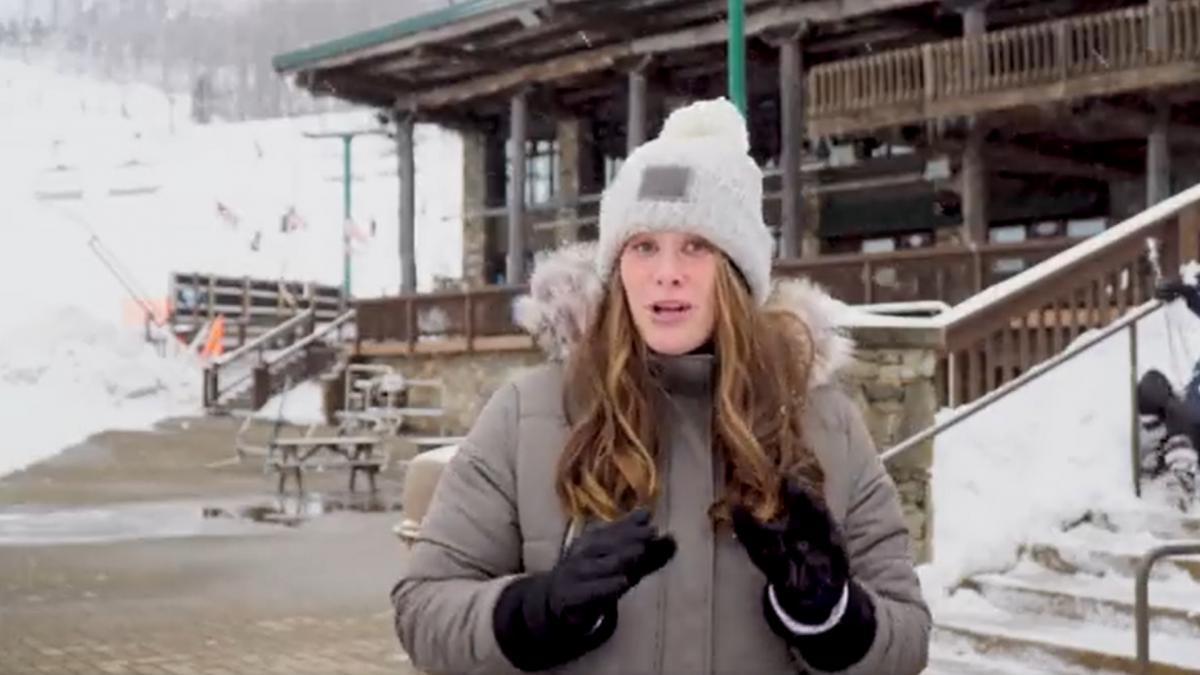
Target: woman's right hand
x=549, y=618
x=602, y=565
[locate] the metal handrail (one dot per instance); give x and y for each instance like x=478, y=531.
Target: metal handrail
x=1141, y=599
x=1128, y=321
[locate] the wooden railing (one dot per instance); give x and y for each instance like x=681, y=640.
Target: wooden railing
x=467, y=319
x=940, y=78
x=995, y=336
x=232, y=372
x=251, y=307
x=465, y=316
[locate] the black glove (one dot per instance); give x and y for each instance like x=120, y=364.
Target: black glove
x=1168, y=291
x=804, y=559
x=550, y=618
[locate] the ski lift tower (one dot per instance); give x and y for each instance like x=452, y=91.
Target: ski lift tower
x=347, y=138
x=736, y=61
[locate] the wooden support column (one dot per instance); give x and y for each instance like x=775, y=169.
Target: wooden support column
x=1158, y=155
x=1158, y=152
x=793, y=122
x=570, y=139
x=974, y=168
x=518, y=133
x=405, y=153
x=636, y=123
x=475, y=191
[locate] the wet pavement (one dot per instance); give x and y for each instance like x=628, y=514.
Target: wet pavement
x=129, y=554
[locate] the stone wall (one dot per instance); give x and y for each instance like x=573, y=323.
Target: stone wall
x=892, y=380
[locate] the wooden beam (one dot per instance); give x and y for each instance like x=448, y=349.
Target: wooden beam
x=1024, y=160
x=608, y=56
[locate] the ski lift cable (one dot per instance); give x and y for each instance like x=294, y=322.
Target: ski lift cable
x=116, y=268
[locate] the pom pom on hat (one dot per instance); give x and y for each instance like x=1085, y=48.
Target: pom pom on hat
x=714, y=120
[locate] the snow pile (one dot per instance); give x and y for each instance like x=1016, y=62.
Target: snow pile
x=301, y=405
x=1046, y=455
x=66, y=375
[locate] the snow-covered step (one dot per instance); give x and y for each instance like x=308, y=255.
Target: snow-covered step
x=968, y=664
x=1159, y=521
x=1094, y=550
x=1174, y=604
x=1079, y=644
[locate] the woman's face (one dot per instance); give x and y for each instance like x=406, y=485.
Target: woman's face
x=670, y=282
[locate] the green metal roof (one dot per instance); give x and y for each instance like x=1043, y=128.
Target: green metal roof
x=308, y=56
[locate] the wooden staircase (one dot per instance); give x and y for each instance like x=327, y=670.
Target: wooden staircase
x=292, y=352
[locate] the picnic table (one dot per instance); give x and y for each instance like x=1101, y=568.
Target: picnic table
x=295, y=455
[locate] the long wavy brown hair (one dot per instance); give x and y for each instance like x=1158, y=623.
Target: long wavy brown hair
x=763, y=359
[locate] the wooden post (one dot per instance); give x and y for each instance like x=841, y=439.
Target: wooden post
x=518, y=128
x=792, y=104
x=1189, y=235
x=569, y=133
x=475, y=187
x=1159, y=38
x=1158, y=154
x=405, y=152
x=635, y=126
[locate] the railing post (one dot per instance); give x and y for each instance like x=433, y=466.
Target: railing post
x=210, y=386
x=469, y=320
x=930, y=71
x=262, y=386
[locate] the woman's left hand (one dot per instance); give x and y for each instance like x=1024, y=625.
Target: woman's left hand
x=802, y=555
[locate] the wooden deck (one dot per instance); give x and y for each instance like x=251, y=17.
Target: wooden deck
x=1091, y=55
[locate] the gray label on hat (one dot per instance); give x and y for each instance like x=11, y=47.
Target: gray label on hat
x=665, y=183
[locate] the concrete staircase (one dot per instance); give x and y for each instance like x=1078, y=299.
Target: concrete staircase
x=1068, y=607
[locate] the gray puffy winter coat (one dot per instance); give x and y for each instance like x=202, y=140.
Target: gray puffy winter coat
x=496, y=515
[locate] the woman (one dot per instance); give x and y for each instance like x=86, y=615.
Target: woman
x=688, y=492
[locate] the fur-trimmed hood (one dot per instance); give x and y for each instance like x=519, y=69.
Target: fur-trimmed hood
x=565, y=292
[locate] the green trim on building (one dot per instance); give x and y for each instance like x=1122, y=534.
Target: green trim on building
x=310, y=56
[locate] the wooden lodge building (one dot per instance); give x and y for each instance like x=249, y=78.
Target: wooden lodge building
x=913, y=149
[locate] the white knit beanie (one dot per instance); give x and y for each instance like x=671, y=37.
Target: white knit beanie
x=696, y=177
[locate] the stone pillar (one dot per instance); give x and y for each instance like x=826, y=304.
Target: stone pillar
x=974, y=168
x=792, y=132
x=405, y=144
x=518, y=134
x=570, y=138
x=892, y=380
x=474, y=202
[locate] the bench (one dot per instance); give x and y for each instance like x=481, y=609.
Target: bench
x=295, y=455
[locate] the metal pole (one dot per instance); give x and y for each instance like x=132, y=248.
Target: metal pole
x=346, y=140
x=737, y=54
x=1135, y=437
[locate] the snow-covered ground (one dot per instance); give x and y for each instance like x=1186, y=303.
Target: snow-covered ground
x=89, y=166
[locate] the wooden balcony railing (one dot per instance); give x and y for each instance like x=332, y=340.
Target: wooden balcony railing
x=1098, y=53
x=469, y=320
x=995, y=336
